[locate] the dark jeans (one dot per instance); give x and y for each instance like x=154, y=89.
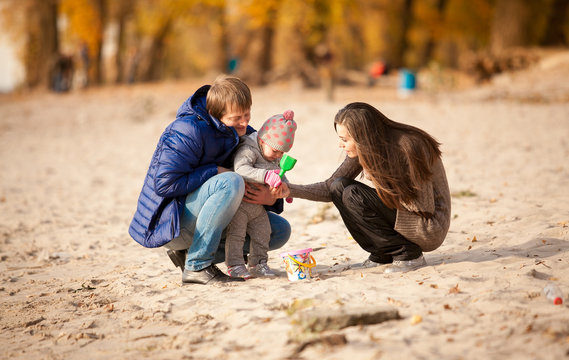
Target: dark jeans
x=370, y=222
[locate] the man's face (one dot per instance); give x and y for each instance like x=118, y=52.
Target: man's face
x=237, y=119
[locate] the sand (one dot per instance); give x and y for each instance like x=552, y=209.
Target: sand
x=74, y=285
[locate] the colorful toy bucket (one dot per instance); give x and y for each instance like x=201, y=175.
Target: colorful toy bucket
x=298, y=264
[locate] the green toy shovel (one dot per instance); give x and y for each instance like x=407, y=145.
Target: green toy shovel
x=286, y=164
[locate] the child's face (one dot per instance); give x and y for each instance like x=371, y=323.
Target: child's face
x=237, y=119
x=269, y=153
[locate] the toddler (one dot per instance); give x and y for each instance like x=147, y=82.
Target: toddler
x=257, y=160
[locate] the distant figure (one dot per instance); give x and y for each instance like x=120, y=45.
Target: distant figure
x=377, y=70
x=62, y=77
x=325, y=63
x=85, y=63
x=233, y=65
x=133, y=61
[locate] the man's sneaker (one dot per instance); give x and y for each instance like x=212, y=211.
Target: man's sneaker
x=406, y=265
x=178, y=257
x=210, y=274
x=239, y=271
x=262, y=269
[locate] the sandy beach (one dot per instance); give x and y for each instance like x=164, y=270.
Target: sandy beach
x=74, y=285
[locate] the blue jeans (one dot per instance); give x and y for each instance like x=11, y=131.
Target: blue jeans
x=208, y=211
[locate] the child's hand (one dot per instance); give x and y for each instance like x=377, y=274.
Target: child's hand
x=273, y=179
x=281, y=192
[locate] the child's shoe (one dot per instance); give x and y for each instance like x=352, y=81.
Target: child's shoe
x=262, y=269
x=239, y=271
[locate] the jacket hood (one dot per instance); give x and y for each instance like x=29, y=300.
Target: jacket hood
x=195, y=104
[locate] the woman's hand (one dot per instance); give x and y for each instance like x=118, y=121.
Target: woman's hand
x=281, y=191
x=259, y=194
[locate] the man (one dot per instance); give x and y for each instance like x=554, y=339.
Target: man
x=189, y=194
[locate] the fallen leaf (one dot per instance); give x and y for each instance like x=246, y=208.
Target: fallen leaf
x=447, y=307
x=463, y=193
x=434, y=286
x=394, y=302
x=374, y=339
x=416, y=319
x=454, y=290
x=474, y=239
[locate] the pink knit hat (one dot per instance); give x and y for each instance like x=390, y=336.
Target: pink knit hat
x=278, y=131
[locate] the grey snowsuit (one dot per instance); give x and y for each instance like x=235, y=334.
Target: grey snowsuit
x=249, y=219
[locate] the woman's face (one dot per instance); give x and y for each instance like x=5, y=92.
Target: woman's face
x=346, y=141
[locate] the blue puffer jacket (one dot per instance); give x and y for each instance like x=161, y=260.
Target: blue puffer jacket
x=188, y=153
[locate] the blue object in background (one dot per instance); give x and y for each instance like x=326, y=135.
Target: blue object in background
x=233, y=64
x=407, y=80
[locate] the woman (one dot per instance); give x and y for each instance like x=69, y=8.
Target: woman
x=407, y=212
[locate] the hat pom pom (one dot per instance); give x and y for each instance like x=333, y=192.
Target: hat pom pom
x=288, y=115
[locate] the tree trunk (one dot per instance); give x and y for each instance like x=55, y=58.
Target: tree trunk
x=511, y=25
x=42, y=46
x=267, y=40
x=402, y=42
x=554, y=34
x=258, y=60
x=156, y=53
x=98, y=68
x=124, y=10
x=221, y=39
x=431, y=42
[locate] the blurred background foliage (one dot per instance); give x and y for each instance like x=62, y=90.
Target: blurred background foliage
x=262, y=41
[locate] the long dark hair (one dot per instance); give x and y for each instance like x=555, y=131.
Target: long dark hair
x=397, y=157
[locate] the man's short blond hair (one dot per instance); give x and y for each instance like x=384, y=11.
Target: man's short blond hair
x=227, y=92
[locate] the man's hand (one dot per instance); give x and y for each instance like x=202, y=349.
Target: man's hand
x=259, y=194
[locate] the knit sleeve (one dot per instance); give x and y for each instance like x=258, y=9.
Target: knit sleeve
x=244, y=164
x=320, y=191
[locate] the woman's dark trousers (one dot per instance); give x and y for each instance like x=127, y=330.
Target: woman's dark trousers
x=370, y=222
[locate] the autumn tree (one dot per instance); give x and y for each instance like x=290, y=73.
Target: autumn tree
x=36, y=28
x=511, y=25
x=86, y=24
x=556, y=23
x=255, y=48
x=121, y=12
